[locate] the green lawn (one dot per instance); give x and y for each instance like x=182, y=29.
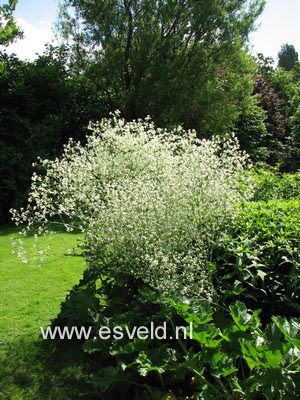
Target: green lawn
x=30, y=296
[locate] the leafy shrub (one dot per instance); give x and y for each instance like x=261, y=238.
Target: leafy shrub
x=42, y=106
x=152, y=203
x=252, y=132
x=227, y=355
x=271, y=185
x=260, y=264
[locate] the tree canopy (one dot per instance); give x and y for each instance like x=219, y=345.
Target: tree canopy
x=151, y=57
x=287, y=57
x=9, y=31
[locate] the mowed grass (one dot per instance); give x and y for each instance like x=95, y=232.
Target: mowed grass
x=30, y=297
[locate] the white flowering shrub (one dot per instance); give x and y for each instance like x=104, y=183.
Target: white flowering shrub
x=152, y=203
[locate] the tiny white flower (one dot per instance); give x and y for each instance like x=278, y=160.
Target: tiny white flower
x=150, y=201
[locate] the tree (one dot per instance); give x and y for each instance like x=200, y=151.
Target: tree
x=279, y=96
x=288, y=83
x=252, y=131
x=42, y=106
x=181, y=61
x=8, y=28
x=287, y=57
x=265, y=65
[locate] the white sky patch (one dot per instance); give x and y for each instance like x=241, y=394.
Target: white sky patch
x=35, y=38
x=279, y=24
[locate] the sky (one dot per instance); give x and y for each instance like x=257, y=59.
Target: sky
x=36, y=18
x=279, y=24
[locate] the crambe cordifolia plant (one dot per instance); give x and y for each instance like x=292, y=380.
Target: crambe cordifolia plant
x=152, y=202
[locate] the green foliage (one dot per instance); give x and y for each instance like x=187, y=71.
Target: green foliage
x=181, y=62
x=270, y=184
x=273, y=103
x=287, y=82
x=265, y=65
x=260, y=264
x=42, y=106
x=287, y=57
x=9, y=31
x=227, y=354
x=252, y=132
x=278, y=92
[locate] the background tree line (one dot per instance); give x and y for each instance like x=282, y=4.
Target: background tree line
x=180, y=61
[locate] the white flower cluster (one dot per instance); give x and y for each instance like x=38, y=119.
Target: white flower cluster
x=151, y=202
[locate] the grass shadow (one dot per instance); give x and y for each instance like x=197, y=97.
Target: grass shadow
x=36, y=369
